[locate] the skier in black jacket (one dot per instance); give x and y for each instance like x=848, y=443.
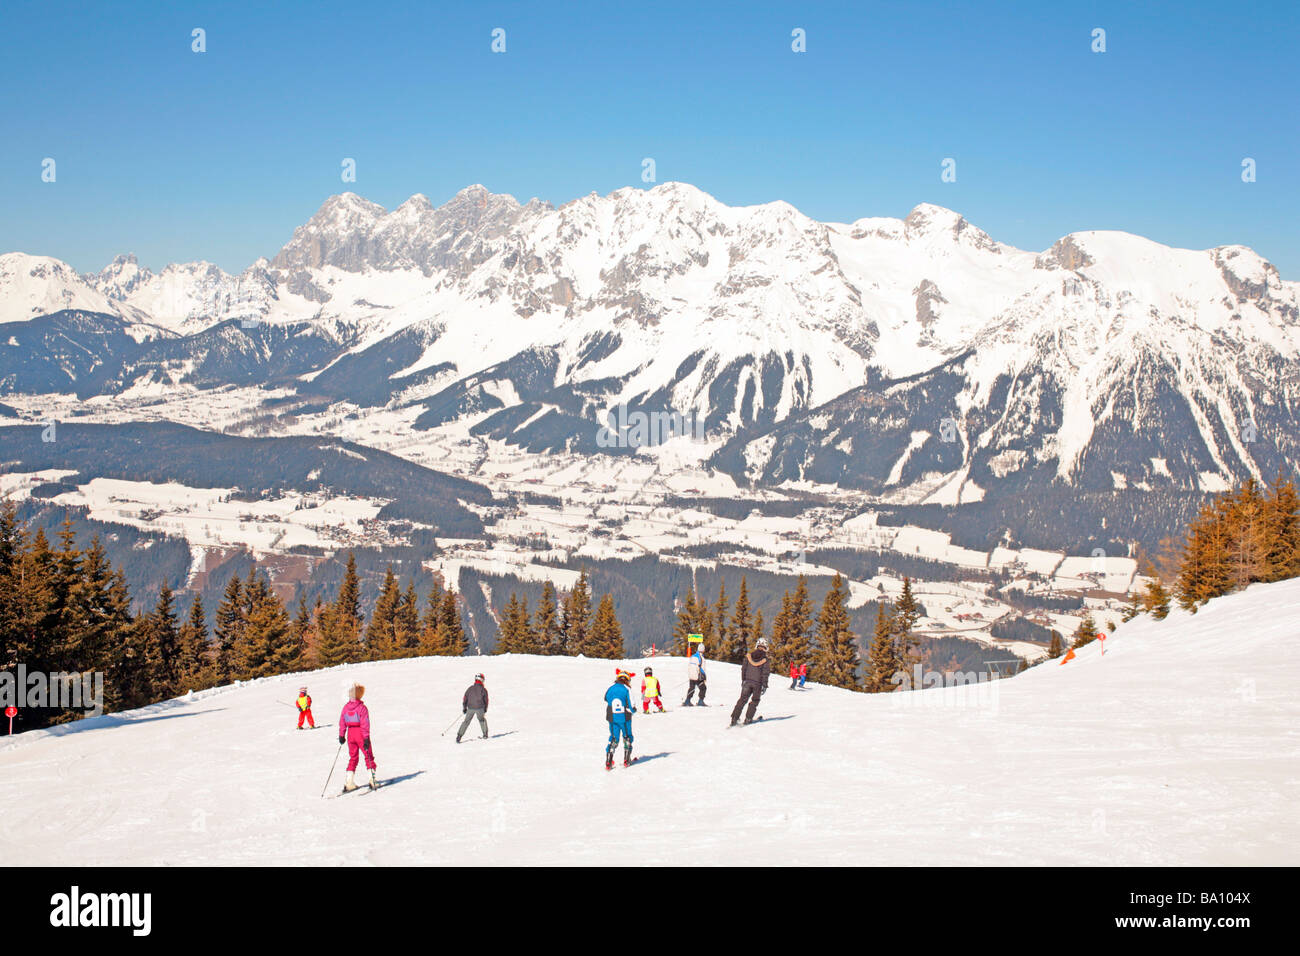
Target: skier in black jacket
x=474, y=704
x=754, y=671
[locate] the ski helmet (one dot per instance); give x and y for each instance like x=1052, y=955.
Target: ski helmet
x=622, y=675
x=649, y=671
x=762, y=642
x=478, y=678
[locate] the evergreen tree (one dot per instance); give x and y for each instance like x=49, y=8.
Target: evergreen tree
x=228, y=627
x=735, y=645
x=1086, y=633
x=684, y=626
x=836, y=657
x=381, y=635
x=193, y=669
x=606, y=633
x=720, y=636
x=1056, y=648
x=162, y=645
x=406, y=623
x=882, y=658
x=906, y=615
x=577, y=616
x=550, y=638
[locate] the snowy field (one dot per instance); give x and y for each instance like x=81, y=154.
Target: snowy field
x=1179, y=746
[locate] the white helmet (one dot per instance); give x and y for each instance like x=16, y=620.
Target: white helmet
x=762, y=642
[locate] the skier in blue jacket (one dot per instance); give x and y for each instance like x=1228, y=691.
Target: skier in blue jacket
x=618, y=711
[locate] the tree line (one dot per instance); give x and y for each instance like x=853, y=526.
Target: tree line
x=800, y=634
x=1241, y=537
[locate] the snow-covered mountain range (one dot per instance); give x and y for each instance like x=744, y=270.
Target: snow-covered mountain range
x=915, y=358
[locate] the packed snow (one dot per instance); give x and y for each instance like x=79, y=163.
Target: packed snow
x=1177, y=747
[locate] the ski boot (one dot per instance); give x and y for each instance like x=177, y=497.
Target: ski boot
x=627, y=756
x=350, y=783
x=687, y=703
x=609, y=759
x=374, y=783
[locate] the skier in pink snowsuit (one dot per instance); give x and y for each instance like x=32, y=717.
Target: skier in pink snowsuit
x=354, y=730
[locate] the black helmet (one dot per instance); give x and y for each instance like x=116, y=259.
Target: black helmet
x=649, y=671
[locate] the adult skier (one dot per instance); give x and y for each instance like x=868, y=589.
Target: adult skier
x=650, y=691
x=354, y=730
x=304, y=709
x=695, y=671
x=618, y=711
x=474, y=704
x=754, y=672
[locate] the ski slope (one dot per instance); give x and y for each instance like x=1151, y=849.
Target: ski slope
x=1179, y=746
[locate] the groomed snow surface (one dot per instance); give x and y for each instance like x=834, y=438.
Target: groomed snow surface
x=1179, y=746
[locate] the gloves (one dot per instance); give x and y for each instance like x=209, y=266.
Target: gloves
x=342, y=740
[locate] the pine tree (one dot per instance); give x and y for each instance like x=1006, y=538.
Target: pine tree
x=836, y=656
x=508, y=639
x=162, y=645
x=550, y=638
x=882, y=659
x=229, y=624
x=734, y=647
x=193, y=669
x=906, y=615
x=684, y=626
x=720, y=632
x=577, y=616
x=1056, y=648
x=606, y=633
x=381, y=635
x=406, y=622
x=1086, y=633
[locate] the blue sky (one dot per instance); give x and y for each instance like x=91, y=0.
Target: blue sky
x=176, y=155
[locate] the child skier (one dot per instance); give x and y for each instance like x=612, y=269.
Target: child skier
x=803, y=674
x=695, y=672
x=304, y=709
x=618, y=711
x=474, y=704
x=650, y=691
x=354, y=730
x=794, y=675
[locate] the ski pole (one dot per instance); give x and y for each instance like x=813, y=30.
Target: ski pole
x=332, y=766
x=449, y=726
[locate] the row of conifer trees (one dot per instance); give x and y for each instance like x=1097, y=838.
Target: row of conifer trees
x=800, y=634
x=67, y=610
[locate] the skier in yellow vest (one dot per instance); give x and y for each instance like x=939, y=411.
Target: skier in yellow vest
x=304, y=709
x=650, y=691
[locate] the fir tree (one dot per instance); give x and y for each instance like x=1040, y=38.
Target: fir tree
x=735, y=646
x=577, y=616
x=549, y=636
x=162, y=645
x=836, y=657
x=606, y=633
x=882, y=658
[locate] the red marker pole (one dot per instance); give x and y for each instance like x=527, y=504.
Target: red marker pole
x=11, y=712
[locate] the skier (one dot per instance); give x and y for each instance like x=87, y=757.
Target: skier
x=697, y=677
x=794, y=675
x=803, y=674
x=304, y=709
x=354, y=730
x=618, y=711
x=754, y=672
x=650, y=691
x=474, y=704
